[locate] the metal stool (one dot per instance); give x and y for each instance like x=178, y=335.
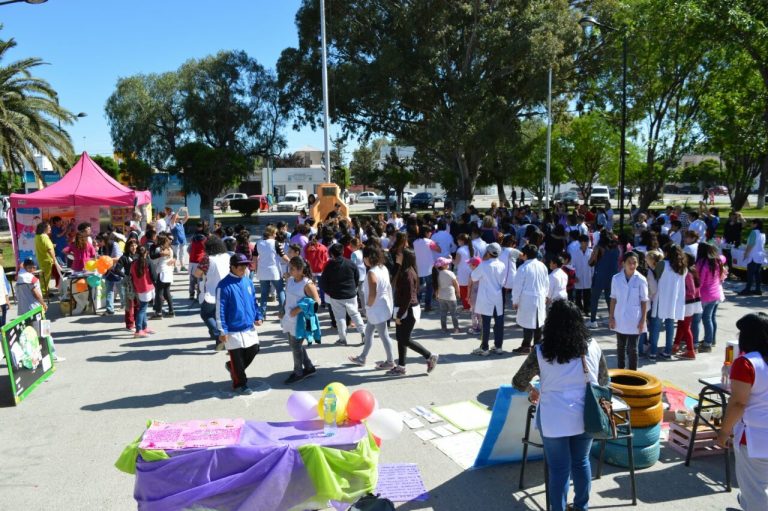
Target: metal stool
x=712, y=395
x=526, y=442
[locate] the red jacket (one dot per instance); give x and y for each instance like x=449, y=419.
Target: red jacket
x=197, y=249
x=317, y=257
x=141, y=284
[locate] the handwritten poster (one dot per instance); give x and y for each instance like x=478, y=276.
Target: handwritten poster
x=194, y=434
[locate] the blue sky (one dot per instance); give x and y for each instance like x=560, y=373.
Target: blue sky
x=89, y=44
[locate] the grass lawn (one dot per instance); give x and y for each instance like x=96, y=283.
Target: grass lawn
x=8, y=260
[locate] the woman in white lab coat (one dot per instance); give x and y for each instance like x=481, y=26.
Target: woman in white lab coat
x=669, y=305
x=629, y=303
x=529, y=294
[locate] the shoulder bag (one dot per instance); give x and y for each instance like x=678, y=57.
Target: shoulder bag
x=599, y=421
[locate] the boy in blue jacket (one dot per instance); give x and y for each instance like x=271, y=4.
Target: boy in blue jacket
x=237, y=316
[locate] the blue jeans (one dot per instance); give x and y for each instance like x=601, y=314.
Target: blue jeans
x=208, y=314
x=279, y=286
x=654, y=329
x=111, y=286
x=695, y=323
x=709, y=318
x=568, y=457
x=141, y=316
x=425, y=291
x=753, y=277
x=596, y=291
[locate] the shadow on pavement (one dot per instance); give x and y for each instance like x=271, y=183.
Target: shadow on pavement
x=190, y=393
x=148, y=355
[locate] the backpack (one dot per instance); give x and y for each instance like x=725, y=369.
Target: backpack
x=372, y=502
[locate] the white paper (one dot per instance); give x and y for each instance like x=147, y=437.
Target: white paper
x=414, y=423
x=406, y=416
x=453, y=429
x=461, y=448
x=441, y=431
x=425, y=434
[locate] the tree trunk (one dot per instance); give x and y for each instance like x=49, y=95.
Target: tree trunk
x=500, y=190
x=206, y=209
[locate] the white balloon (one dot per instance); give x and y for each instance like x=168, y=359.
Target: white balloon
x=375, y=404
x=302, y=406
x=385, y=423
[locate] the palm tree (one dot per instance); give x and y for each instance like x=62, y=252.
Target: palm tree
x=30, y=116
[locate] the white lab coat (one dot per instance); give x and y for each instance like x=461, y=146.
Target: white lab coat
x=580, y=263
x=509, y=258
x=490, y=277
x=530, y=292
x=629, y=296
x=558, y=285
x=670, y=295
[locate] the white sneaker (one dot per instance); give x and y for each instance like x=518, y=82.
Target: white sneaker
x=593, y=325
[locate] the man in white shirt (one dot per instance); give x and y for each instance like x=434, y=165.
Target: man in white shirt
x=558, y=281
x=213, y=267
x=161, y=224
x=580, y=256
x=529, y=297
x=444, y=239
x=426, y=251
x=698, y=225
x=489, y=304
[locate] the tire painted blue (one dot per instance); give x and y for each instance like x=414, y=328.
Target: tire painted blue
x=641, y=437
x=616, y=455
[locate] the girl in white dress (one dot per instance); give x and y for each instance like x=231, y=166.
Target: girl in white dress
x=298, y=286
x=461, y=262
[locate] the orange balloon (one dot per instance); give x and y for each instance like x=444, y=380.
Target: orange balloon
x=81, y=286
x=106, y=261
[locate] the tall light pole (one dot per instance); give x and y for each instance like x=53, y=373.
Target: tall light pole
x=326, y=124
x=33, y=2
x=549, y=138
x=587, y=22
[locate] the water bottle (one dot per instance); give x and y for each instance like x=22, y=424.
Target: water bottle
x=725, y=375
x=329, y=413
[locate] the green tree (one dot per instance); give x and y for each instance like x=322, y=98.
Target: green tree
x=667, y=73
x=30, y=117
x=138, y=173
x=107, y=164
x=222, y=109
x=733, y=122
x=452, y=90
x=707, y=173
x=396, y=173
x=363, y=167
x=586, y=148
x=10, y=183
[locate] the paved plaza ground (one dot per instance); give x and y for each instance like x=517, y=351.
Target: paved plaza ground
x=59, y=445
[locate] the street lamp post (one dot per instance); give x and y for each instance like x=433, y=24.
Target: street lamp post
x=33, y=2
x=549, y=138
x=326, y=127
x=590, y=21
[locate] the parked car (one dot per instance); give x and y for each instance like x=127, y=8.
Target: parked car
x=569, y=198
x=381, y=201
x=577, y=191
x=423, y=200
x=718, y=190
x=408, y=196
x=294, y=200
x=599, y=195
x=366, y=197
x=218, y=202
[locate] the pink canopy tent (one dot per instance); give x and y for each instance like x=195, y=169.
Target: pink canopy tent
x=86, y=184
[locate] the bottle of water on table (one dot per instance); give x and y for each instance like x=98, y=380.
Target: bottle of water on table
x=329, y=413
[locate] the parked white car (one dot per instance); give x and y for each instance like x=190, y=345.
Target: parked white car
x=599, y=195
x=366, y=197
x=294, y=200
x=218, y=201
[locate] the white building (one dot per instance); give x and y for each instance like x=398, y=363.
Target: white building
x=286, y=179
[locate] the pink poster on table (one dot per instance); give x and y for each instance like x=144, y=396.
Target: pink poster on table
x=194, y=434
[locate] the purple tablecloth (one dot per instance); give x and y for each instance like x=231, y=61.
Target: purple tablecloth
x=263, y=472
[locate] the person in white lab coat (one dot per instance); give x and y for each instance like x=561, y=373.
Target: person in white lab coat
x=490, y=278
x=580, y=255
x=558, y=281
x=669, y=305
x=629, y=303
x=529, y=294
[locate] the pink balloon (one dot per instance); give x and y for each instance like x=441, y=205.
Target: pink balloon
x=302, y=406
x=360, y=405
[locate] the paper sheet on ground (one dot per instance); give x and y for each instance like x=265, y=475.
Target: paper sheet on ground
x=441, y=431
x=465, y=415
x=461, y=448
x=401, y=482
x=427, y=414
x=414, y=423
x=425, y=434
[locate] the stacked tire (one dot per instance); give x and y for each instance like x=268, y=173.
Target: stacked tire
x=642, y=393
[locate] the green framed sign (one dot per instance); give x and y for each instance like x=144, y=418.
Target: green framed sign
x=27, y=352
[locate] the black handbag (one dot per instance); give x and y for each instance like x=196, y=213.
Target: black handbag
x=599, y=421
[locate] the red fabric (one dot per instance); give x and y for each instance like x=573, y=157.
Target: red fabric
x=144, y=283
x=196, y=251
x=684, y=333
x=131, y=309
x=743, y=370
x=85, y=184
x=571, y=272
x=317, y=257
x=464, y=295
x=81, y=256
x=347, y=254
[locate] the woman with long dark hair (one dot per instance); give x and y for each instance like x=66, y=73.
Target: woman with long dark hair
x=123, y=268
x=712, y=272
x=669, y=304
x=605, y=261
x=407, y=312
x=565, y=358
x=145, y=290
x=745, y=424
